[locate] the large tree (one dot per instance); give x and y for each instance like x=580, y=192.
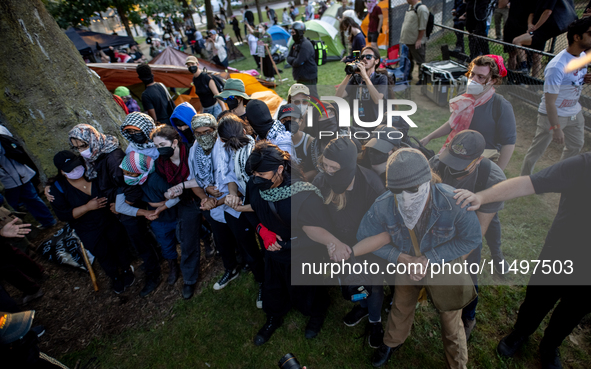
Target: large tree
x=46, y=87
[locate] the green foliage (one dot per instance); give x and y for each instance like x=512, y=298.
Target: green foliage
x=154, y=9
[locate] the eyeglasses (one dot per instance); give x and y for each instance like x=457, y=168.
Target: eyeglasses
x=367, y=56
x=80, y=148
x=398, y=191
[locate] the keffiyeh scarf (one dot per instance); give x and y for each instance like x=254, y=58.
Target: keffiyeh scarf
x=98, y=143
x=240, y=158
x=142, y=121
x=141, y=164
x=282, y=193
x=203, y=168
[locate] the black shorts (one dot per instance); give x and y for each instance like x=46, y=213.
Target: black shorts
x=548, y=30
x=372, y=36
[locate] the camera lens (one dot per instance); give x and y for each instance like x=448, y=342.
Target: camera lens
x=289, y=361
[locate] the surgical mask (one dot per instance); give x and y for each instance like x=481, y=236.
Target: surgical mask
x=193, y=69
x=132, y=181
x=76, y=173
x=411, y=204
x=138, y=138
x=86, y=153
x=474, y=88
x=166, y=152
x=262, y=183
x=293, y=125
x=458, y=174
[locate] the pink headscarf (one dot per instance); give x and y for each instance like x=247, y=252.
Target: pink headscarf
x=370, y=5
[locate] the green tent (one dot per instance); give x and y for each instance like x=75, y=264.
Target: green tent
x=330, y=16
x=319, y=30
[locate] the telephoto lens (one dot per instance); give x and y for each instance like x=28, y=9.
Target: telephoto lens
x=289, y=361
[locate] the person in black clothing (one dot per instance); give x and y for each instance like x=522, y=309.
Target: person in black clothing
x=236, y=29
x=271, y=15
x=102, y=157
x=477, y=13
x=190, y=33
x=155, y=98
x=386, y=140
x=83, y=204
x=274, y=193
x=567, y=244
x=301, y=58
x=248, y=18
x=219, y=26
x=459, y=14
x=356, y=37
x=349, y=190
x=205, y=88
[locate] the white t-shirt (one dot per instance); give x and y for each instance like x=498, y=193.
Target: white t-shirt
x=252, y=43
x=568, y=86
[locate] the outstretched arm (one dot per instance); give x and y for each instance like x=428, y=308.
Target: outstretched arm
x=503, y=191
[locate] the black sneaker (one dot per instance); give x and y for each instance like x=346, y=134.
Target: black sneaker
x=376, y=335
x=151, y=284
x=313, y=327
x=260, y=297
x=509, y=345
x=550, y=358
x=265, y=333
x=39, y=330
x=128, y=277
x=354, y=316
x=188, y=290
x=228, y=276
x=117, y=285
x=383, y=354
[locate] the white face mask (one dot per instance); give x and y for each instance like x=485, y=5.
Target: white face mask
x=75, y=173
x=86, y=153
x=411, y=204
x=475, y=88
x=379, y=168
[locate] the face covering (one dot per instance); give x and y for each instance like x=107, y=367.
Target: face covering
x=262, y=183
x=166, y=152
x=132, y=181
x=411, y=204
x=344, y=152
x=232, y=103
x=138, y=138
x=474, y=88
x=293, y=125
x=76, y=173
x=329, y=124
x=377, y=157
x=193, y=69
x=457, y=174
x=207, y=140
x=86, y=153
x=379, y=168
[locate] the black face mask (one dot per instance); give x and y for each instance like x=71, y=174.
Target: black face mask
x=262, y=183
x=138, y=138
x=166, y=152
x=377, y=157
x=193, y=69
x=457, y=174
x=232, y=103
x=329, y=124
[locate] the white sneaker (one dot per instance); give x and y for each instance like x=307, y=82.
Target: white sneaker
x=260, y=297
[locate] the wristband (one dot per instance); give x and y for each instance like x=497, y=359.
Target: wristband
x=555, y=127
x=183, y=185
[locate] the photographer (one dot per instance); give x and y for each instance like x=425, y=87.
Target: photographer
x=217, y=46
x=363, y=74
x=301, y=58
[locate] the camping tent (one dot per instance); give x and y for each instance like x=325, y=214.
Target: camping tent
x=170, y=56
x=330, y=15
x=383, y=37
x=319, y=30
x=91, y=38
x=279, y=35
x=78, y=42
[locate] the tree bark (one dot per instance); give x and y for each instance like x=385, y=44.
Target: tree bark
x=209, y=15
x=188, y=12
x=124, y=20
x=46, y=88
x=229, y=11
x=259, y=11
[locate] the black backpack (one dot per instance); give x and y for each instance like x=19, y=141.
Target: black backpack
x=430, y=22
x=219, y=82
x=320, y=51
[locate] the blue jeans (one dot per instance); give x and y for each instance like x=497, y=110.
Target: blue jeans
x=374, y=303
x=493, y=239
x=165, y=233
x=27, y=195
x=214, y=110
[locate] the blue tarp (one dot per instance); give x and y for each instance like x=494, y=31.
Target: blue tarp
x=279, y=35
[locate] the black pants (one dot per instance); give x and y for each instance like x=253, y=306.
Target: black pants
x=461, y=25
x=143, y=242
x=245, y=237
x=311, y=83
x=110, y=249
x=19, y=270
x=238, y=36
x=189, y=227
x=477, y=45
x=539, y=300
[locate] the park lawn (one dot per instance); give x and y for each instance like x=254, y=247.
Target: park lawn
x=215, y=328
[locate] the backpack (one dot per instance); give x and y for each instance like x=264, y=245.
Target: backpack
x=320, y=51
x=430, y=22
x=219, y=82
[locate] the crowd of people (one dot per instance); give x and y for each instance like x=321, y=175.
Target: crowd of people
x=268, y=191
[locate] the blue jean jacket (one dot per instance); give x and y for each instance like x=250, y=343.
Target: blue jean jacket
x=451, y=231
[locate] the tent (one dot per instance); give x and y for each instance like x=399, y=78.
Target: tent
x=279, y=35
x=170, y=56
x=91, y=38
x=383, y=37
x=319, y=30
x=78, y=42
x=330, y=15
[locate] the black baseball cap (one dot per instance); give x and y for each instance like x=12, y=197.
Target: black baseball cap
x=463, y=149
x=288, y=111
x=66, y=161
x=386, y=140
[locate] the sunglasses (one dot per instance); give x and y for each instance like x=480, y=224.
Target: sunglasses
x=367, y=56
x=229, y=98
x=398, y=191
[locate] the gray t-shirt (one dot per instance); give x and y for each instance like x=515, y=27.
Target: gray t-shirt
x=499, y=132
x=496, y=175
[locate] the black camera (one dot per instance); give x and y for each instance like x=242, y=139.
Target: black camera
x=353, y=67
x=289, y=361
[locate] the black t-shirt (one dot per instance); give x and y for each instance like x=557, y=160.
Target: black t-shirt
x=202, y=90
x=568, y=237
x=155, y=97
x=190, y=34
x=249, y=17
x=368, y=109
x=497, y=132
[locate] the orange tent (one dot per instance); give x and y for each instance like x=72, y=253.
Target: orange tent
x=383, y=38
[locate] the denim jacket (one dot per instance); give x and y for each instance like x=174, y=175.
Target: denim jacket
x=451, y=231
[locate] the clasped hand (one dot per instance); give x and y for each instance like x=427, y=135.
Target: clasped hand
x=338, y=252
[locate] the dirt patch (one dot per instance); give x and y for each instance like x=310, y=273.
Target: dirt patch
x=74, y=314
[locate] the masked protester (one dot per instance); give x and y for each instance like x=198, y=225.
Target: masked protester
x=181, y=121
x=444, y=231
x=290, y=116
x=483, y=110
x=81, y=202
x=302, y=58
x=386, y=140
x=267, y=128
x=349, y=190
x=205, y=88
x=137, y=128
x=273, y=193
x=234, y=95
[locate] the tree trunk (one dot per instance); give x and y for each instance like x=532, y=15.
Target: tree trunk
x=209, y=15
x=229, y=11
x=188, y=12
x=259, y=11
x=299, y=3
x=124, y=20
x=46, y=87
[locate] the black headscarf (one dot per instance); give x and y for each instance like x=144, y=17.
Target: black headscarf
x=343, y=151
x=259, y=117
